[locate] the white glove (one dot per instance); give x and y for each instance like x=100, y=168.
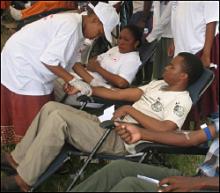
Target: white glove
x=83, y=87
x=96, y=82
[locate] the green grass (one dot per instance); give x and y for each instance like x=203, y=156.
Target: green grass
x=59, y=182
x=187, y=164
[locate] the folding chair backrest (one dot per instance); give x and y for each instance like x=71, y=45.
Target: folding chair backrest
x=146, y=52
x=199, y=87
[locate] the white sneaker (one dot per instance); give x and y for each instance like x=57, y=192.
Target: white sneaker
x=15, y=13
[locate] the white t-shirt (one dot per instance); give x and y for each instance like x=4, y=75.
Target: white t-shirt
x=161, y=105
x=188, y=23
x=53, y=40
x=161, y=21
x=138, y=6
x=125, y=65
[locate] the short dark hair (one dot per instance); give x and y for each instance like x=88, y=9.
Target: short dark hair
x=192, y=65
x=136, y=32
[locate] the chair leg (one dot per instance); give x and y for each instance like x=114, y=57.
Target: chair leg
x=90, y=157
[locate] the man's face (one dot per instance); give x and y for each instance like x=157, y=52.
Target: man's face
x=93, y=28
x=173, y=72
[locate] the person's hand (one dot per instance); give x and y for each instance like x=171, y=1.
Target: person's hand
x=205, y=58
x=83, y=87
x=179, y=184
x=128, y=132
x=121, y=112
x=70, y=90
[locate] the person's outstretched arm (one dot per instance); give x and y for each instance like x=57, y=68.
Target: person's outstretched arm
x=129, y=94
x=60, y=72
x=131, y=133
x=209, y=37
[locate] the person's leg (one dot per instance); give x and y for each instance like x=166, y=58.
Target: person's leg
x=55, y=124
x=161, y=58
x=107, y=178
x=157, y=60
x=35, y=128
x=63, y=124
x=21, y=148
x=164, y=58
x=40, y=146
x=133, y=184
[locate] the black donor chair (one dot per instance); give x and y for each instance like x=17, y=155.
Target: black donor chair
x=143, y=150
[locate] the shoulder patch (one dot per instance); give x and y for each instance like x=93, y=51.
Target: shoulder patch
x=179, y=110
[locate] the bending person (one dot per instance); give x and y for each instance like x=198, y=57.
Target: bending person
x=37, y=54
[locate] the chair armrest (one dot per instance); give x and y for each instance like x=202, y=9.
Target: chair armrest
x=171, y=149
x=109, y=124
x=106, y=102
x=85, y=99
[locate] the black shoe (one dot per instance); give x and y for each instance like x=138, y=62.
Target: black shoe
x=8, y=184
x=6, y=166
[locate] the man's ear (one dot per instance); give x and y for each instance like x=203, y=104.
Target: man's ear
x=184, y=76
x=137, y=43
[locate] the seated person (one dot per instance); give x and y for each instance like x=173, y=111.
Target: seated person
x=118, y=66
x=115, y=68
x=121, y=176
x=160, y=106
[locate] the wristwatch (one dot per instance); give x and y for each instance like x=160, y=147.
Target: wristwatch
x=206, y=130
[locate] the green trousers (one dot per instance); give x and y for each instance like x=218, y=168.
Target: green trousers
x=121, y=176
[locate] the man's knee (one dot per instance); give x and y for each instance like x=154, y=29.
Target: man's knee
x=50, y=106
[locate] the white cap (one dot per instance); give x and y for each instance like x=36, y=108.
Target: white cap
x=108, y=16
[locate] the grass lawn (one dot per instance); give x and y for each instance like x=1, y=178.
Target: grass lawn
x=59, y=181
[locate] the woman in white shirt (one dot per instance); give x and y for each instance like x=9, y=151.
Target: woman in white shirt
x=115, y=68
